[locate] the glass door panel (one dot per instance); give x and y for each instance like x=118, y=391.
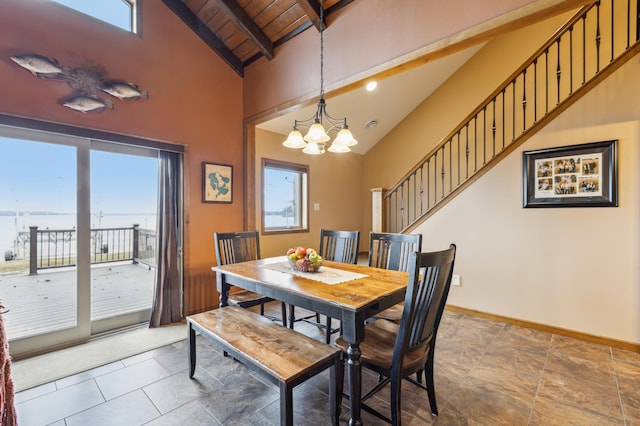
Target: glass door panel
x=124, y=187
x=38, y=237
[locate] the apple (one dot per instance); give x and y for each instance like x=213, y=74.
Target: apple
x=290, y=251
x=293, y=256
x=301, y=252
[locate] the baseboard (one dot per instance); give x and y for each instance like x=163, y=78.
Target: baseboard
x=620, y=344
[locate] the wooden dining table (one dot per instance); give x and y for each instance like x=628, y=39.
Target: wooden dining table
x=350, y=293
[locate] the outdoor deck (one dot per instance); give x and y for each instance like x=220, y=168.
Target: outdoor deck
x=47, y=301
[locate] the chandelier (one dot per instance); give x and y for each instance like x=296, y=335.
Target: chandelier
x=315, y=141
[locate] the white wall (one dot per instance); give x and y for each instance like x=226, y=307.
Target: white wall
x=574, y=268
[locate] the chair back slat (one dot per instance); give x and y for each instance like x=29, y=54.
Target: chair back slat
x=427, y=290
x=393, y=251
x=234, y=247
x=339, y=246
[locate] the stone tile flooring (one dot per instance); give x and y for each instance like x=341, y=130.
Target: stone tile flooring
x=487, y=373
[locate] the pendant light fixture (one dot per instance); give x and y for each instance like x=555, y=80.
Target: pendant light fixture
x=315, y=141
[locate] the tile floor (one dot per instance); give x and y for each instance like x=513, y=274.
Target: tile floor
x=487, y=373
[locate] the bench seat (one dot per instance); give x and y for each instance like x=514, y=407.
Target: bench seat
x=286, y=357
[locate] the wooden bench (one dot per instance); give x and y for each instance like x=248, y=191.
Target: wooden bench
x=285, y=356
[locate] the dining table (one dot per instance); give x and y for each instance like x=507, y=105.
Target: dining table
x=347, y=292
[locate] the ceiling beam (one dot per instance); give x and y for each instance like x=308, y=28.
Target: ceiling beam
x=311, y=8
x=242, y=20
x=192, y=21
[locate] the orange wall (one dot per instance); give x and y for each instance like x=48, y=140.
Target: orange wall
x=195, y=100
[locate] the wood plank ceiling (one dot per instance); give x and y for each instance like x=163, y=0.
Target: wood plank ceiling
x=242, y=31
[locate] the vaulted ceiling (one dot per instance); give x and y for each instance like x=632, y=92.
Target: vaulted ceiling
x=241, y=31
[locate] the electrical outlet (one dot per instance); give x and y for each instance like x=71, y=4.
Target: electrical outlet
x=455, y=280
x=316, y=207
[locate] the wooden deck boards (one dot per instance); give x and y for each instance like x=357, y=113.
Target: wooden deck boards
x=47, y=301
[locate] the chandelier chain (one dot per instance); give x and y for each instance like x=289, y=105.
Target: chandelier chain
x=321, y=50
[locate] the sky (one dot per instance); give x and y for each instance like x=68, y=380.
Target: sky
x=42, y=176
x=115, y=12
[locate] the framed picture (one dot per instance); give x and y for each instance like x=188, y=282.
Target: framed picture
x=572, y=176
x=217, y=183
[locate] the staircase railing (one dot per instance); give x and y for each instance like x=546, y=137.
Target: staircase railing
x=584, y=51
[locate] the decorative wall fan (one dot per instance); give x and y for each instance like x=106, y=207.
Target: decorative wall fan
x=89, y=82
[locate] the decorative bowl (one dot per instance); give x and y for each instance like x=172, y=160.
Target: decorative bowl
x=303, y=265
x=304, y=259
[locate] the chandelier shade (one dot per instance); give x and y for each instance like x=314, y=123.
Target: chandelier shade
x=317, y=137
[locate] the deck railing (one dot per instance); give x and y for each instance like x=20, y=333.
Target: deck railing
x=56, y=248
x=578, y=56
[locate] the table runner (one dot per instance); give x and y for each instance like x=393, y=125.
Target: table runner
x=326, y=275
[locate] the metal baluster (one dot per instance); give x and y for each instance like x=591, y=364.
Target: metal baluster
x=612, y=29
x=459, y=157
x=493, y=127
x=584, y=48
x=475, y=142
x=513, y=111
x=558, y=70
x=598, y=37
x=484, y=135
x=570, y=60
x=401, y=206
x=535, y=90
x=524, y=100
x=443, y=173
x=435, y=178
x=466, y=151
x=428, y=184
x=503, y=112
x=415, y=190
x=421, y=189
x=546, y=80
x=450, y=143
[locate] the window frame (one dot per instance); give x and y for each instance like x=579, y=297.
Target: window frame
x=304, y=204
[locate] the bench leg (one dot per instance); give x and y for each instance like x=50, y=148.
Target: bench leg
x=286, y=405
x=191, y=337
x=336, y=385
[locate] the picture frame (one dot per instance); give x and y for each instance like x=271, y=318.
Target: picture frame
x=584, y=175
x=217, y=183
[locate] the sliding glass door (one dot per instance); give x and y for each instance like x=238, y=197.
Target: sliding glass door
x=124, y=200
x=77, y=237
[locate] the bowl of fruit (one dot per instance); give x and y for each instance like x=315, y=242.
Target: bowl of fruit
x=304, y=259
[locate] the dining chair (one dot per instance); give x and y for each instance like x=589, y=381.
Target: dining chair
x=392, y=251
x=396, y=351
x=337, y=246
x=234, y=247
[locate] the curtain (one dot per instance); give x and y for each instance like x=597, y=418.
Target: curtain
x=166, y=307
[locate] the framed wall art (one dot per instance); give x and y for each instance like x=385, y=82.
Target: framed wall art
x=572, y=176
x=217, y=183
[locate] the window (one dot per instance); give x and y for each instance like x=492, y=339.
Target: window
x=120, y=13
x=284, y=196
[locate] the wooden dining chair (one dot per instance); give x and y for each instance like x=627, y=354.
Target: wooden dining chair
x=337, y=246
x=396, y=351
x=234, y=247
x=392, y=251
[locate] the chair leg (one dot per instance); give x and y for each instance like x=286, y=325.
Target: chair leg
x=395, y=401
x=284, y=313
x=262, y=309
x=328, y=331
x=292, y=315
x=431, y=390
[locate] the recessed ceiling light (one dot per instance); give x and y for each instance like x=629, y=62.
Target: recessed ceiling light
x=370, y=124
x=371, y=86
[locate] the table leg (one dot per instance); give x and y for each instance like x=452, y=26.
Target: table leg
x=354, y=371
x=223, y=288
